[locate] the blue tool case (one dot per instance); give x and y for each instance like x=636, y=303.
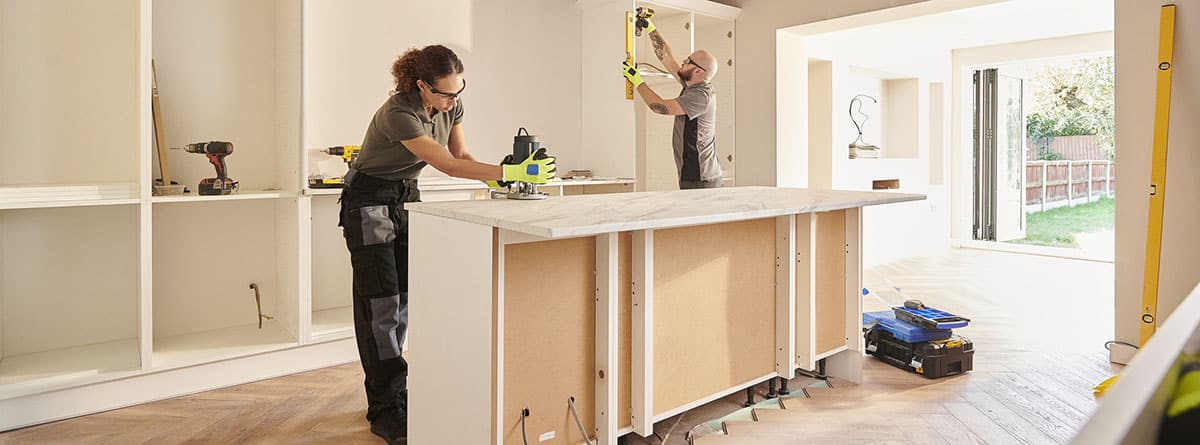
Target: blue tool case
x=901, y=329
x=930, y=318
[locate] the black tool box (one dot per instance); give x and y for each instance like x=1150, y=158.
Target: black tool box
x=932, y=359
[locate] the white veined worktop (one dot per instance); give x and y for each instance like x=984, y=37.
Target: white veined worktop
x=637, y=306
x=595, y=214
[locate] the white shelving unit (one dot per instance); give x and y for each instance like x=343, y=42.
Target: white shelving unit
x=69, y=199
x=685, y=30
x=110, y=296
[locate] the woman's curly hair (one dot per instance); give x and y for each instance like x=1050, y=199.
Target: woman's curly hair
x=428, y=64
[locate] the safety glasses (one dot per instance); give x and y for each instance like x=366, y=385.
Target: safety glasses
x=450, y=95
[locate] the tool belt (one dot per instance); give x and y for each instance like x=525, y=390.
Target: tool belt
x=363, y=181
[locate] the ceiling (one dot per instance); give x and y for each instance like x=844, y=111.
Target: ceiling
x=992, y=24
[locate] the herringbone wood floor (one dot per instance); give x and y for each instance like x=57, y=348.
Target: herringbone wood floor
x=325, y=406
x=1038, y=325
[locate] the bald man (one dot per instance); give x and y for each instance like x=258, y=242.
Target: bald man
x=695, y=111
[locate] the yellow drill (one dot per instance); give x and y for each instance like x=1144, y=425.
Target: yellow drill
x=643, y=17
x=348, y=152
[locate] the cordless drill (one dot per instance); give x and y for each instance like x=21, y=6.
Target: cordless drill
x=215, y=151
x=643, y=20
x=348, y=153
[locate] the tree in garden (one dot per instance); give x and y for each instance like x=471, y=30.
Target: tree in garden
x=1072, y=99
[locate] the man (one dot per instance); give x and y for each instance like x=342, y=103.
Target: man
x=695, y=111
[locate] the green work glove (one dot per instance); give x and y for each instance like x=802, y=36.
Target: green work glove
x=631, y=74
x=646, y=25
x=537, y=169
x=497, y=184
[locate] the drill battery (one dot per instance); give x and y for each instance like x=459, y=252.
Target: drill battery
x=215, y=151
x=932, y=359
x=217, y=186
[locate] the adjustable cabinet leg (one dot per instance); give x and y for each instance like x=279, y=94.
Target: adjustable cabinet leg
x=749, y=397
x=771, y=394
x=783, y=389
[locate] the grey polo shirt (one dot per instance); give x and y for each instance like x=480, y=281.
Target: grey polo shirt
x=402, y=117
x=694, y=137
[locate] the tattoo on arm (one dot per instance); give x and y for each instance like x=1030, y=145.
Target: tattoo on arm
x=658, y=108
x=660, y=45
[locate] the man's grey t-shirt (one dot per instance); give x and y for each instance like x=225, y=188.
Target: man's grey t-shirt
x=694, y=137
x=401, y=118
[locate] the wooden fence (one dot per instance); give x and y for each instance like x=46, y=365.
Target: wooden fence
x=1071, y=148
x=1055, y=183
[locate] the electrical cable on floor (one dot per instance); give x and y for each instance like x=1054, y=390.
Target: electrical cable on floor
x=524, y=414
x=1108, y=344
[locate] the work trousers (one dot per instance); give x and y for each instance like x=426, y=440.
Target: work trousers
x=375, y=226
x=706, y=184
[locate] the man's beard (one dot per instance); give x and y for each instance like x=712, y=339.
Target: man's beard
x=684, y=77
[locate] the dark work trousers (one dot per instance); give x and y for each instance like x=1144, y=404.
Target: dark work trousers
x=709, y=184
x=375, y=226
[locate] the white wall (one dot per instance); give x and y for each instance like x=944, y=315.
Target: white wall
x=522, y=66
x=939, y=132
x=818, y=125
x=762, y=157
x=906, y=117
x=964, y=60
x=844, y=64
x=1136, y=59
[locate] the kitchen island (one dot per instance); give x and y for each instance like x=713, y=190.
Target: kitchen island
x=633, y=307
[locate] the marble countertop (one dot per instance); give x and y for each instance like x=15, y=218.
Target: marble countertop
x=585, y=215
x=448, y=183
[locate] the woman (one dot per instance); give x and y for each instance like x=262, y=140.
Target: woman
x=419, y=125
